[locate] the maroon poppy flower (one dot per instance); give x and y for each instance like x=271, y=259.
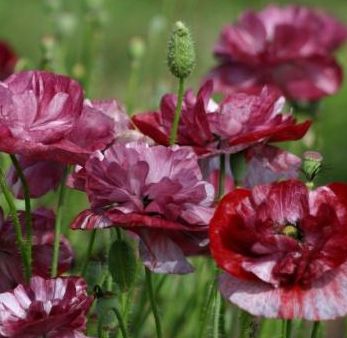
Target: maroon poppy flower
x=11, y=270
x=266, y=164
x=52, y=308
x=157, y=192
x=8, y=60
x=99, y=124
x=239, y=121
x=42, y=117
x=284, y=250
x=283, y=47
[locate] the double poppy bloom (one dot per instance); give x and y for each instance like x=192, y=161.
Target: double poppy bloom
x=156, y=192
x=52, y=308
x=283, y=249
x=238, y=122
x=290, y=48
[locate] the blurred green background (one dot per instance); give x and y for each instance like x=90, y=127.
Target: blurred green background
x=97, y=33
x=24, y=22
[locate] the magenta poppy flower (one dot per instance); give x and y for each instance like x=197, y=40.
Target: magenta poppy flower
x=266, y=164
x=283, y=47
x=284, y=250
x=8, y=60
x=156, y=192
x=240, y=121
x=11, y=270
x=43, y=117
x=99, y=124
x=52, y=308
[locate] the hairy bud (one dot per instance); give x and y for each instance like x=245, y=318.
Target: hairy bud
x=181, y=54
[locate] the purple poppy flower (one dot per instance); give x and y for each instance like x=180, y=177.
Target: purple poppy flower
x=266, y=164
x=42, y=117
x=241, y=120
x=52, y=308
x=11, y=270
x=157, y=192
x=283, y=47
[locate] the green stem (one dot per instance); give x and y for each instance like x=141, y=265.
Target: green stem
x=315, y=329
x=132, y=85
x=248, y=324
x=28, y=219
x=58, y=225
x=217, y=313
x=16, y=224
x=286, y=328
x=221, y=181
x=122, y=325
x=174, y=128
x=153, y=302
x=89, y=252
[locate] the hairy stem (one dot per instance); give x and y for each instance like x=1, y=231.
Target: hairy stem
x=58, y=224
x=174, y=128
x=315, y=330
x=28, y=218
x=121, y=322
x=286, y=328
x=153, y=303
x=89, y=252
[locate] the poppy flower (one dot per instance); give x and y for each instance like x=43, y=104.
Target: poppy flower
x=11, y=270
x=239, y=121
x=266, y=164
x=52, y=308
x=8, y=60
x=283, y=249
x=156, y=192
x=43, y=117
x=283, y=47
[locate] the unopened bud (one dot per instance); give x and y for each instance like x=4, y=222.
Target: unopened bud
x=181, y=54
x=312, y=164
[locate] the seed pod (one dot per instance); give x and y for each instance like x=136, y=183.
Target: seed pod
x=312, y=164
x=181, y=54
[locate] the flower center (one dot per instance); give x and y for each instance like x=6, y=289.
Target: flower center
x=292, y=231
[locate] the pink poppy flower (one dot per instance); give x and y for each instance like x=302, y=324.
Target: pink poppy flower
x=8, y=60
x=266, y=164
x=284, y=250
x=99, y=124
x=42, y=117
x=11, y=270
x=157, y=192
x=52, y=308
x=239, y=121
x=283, y=47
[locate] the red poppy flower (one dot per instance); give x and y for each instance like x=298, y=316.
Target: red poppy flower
x=52, y=308
x=11, y=270
x=284, y=250
x=283, y=47
x=240, y=121
x=43, y=117
x=157, y=192
x=8, y=60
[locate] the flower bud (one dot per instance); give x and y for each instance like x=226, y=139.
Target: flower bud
x=312, y=164
x=181, y=54
x=136, y=49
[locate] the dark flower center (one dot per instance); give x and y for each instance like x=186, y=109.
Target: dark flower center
x=146, y=201
x=292, y=231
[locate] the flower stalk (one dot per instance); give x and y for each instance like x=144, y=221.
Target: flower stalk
x=174, y=129
x=28, y=218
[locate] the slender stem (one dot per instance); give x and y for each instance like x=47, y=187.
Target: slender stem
x=217, y=313
x=28, y=219
x=153, y=302
x=132, y=85
x=248, y=324
x=58, y=224
x=89, y=252
x=286, y=328
x=122, y=325
x=315, y=329
x=174, y=128
x=16, y=224
x=221, y=180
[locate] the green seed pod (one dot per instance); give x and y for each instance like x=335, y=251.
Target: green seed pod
x=312, y=164
x=122, y=264
x=181, y=54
